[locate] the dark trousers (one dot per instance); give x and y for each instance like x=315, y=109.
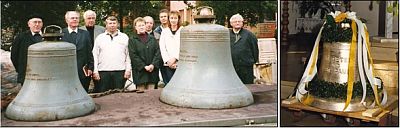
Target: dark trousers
x=163, y=74
x=85, y=81
x=21, y=79
x=110, y=80
x=167, y=75
x=245, y=73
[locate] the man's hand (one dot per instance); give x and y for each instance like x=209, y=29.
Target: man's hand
x=96, y=76
x=127, y=74
x=89, y=72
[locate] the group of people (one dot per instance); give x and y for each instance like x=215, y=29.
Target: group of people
x=109, y=57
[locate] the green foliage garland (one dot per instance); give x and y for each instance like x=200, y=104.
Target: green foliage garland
x=325, y=89
x=333, y=32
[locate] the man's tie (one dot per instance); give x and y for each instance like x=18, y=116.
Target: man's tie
x=73, y=36
x=37, y=37
x=237, y=37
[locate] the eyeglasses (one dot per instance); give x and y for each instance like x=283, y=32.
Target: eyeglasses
x=36, y=22
x=238, y=21
x=73, y=17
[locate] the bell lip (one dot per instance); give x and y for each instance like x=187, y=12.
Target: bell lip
x=336, y=104
x=187, y=98
x=53, y=113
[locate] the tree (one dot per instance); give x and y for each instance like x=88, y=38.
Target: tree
x=128, y=10
x=252, y=11
x=15, y=14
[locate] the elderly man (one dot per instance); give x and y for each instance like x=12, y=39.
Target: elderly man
x=149, y=23
x=244, y=49
x=19, y=49
x=112, y=65
x=81, y=39
x=90, y=25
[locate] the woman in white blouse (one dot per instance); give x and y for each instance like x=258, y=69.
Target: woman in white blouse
x=170, y=44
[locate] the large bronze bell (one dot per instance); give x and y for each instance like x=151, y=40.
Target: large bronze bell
x=51, y=90
x=205, y=77
x=335, y=62
x=334, y=68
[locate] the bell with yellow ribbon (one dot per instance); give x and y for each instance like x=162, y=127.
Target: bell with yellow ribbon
x=345, y=80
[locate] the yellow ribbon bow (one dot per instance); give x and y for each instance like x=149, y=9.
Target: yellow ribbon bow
x=340, y=17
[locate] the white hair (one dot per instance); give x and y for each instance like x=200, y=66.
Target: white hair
x=148, y=17
x=89, y=12
x=68, y=12
x=236, y=16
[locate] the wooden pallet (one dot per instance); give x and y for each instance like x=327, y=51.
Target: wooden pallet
x=382, y=117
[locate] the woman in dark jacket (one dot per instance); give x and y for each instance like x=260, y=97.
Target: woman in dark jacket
x=145, y=57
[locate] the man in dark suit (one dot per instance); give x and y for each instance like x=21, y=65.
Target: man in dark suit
x=94, y=30
x=90, y=25
x=19, y=49
x=81, y=39
x=244, y=49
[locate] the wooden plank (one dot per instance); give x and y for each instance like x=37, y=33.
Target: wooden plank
x=372, y=112
x=295, y=109
x=391, y=104
x=290, y=101
x=288, y=83
x=345, y=114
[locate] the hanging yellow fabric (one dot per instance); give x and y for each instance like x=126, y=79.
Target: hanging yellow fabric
x=308, y=100
x=351, y=67
x=369, y=52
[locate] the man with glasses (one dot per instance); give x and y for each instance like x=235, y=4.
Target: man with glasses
x=19, y=49
x=81, y=39
x=244, y=49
